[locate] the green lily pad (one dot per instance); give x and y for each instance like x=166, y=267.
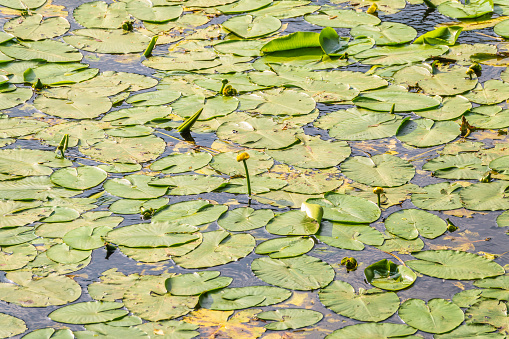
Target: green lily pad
x=290, y=318
x=249, y=27
x=303, y=273
x=438, y=316
x=196, y=283
x=194, y=213
x=489, y=93
x=243, y=297
x=86, y=238
x=245, y=219
x=13, y=99
x=189, y=184
x=472, y=331
x=47, y=50
x=341, y=298
x=17, y=256
x=59, y=74
x=106, y=330
x=48, y=291
x=178, y=163
x=341, y=18
x=18, y=213
x=292, y=223
x=30, y=188
x=448, y=83
x=257, y=133
x=127, y=150
x=243, y=6
x=63, y=254
x=386, y=33
x=217, y=248
x=473, y=9
x=35, y=28
x=448, y=264
x=384, y=100
x=107, y=41
x=178, y=329
x=131, y=206
x=486, y=196
x=461, y=166
x=9, y=325
x=16, y=235
x=79, y=178
x=47, y=333
x=146, y=11
x=382, y=170
x=154, y=98
x=156, y=234
x=410, y=223
x=451, y=108
x=400, y=55
x=438, y=197
x=135, y=186
x=387, y=275
x=488, y=118
x=440, y=36
x=313, y=152
x=75, y=105
x=285, y=102
x=99, y=14
x=347, y=209
x=503, y=219
x=88, y=312
x=374, y=330
x=359, y=124
x=286, y=247
x=349, y=236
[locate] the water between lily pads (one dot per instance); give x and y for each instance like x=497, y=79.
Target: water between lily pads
x=477, y=232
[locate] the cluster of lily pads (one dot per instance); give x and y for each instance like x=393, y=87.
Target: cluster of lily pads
x=93, y=160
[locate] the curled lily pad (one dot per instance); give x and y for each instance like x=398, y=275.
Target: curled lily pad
x=387, y=275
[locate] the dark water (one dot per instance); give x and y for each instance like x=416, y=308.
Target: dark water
x=480, y=225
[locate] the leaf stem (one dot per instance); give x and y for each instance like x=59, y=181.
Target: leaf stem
x=248, y=180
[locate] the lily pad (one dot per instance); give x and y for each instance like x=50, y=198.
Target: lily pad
x=457, y=265
x=438, y=316
x=47, y=50
x=88, y=312
x=194, y=213
x=486, y=196
x=178, y=163
x=473, y=9
x=245, y=219
x=87, y=237
x=303, y=273
x=99, y=14
x=15, y=257
x=387, y=275
x=382, y=170
x=35, y=28
x=79, y=178
x=292, y=223
x=48, y=291
x=489, y=93
x=217, y=248
x=384, y=100
x=374, y=330
x=107, y=41
x=146, y=11
x=290, y=318
x=386, y=33
x=439, y=197
x=341, y=18
x=313, y=152
x=196, y=283
x=9, y=325
x=286, y=247
x=63, y=254
x=347, y=209
x=341, y=298
x=243, y=297
x=349, y=236
x=152, y=235
x=135, y=186
x=249, y=27
x=410, y=223
x=461, y=166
